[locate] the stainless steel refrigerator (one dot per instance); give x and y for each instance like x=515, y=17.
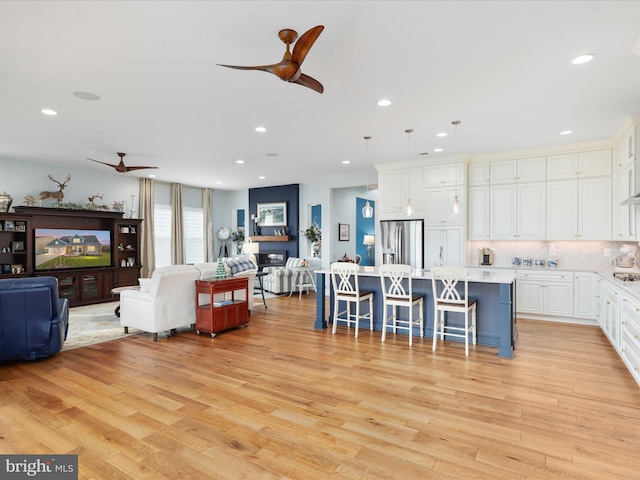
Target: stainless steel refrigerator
x=403, y=242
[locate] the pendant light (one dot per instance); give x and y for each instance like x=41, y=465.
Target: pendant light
x=456, y=200
x=367, y=210
x=408, y=209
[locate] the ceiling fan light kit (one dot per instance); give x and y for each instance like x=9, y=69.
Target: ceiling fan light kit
x=289, y=68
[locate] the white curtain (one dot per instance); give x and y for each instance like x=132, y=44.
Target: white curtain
x=177, y=229
x=148, y=254
x=207, y=215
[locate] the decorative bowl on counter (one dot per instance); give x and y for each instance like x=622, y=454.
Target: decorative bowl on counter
x=515, y=261
x=552, y=263
x=539, y=262
x=526, y=261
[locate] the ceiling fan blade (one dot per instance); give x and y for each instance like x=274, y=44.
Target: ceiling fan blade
x=307, y=81
x=104, y=163
x=137, y=168
x=264, y=68
x=304, y=44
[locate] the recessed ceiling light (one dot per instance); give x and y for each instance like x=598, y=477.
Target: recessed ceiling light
x=218, y=182
x=151, y=175
x=566, y=132
x=346, y=162
x=384, y=102
x=240, y=161
x=438, y=149
x=261, y=129
x=48, y=111
x=86, y=96
x=261, y=177
x=441, y=134
x=585, y=58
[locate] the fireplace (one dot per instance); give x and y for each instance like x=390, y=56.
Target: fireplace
x=271, y=258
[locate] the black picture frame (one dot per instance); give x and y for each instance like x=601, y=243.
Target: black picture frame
x=343, y=232
x=17, y=246
x=21, y=226
x=9, y=226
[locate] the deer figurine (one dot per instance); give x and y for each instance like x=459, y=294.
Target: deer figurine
x=100, y=207
x=59, y=195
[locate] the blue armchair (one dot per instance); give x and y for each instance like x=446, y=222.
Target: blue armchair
x=33, y=320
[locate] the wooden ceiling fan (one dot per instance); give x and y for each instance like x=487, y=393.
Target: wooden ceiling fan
x=289, y=68
x=120, y=167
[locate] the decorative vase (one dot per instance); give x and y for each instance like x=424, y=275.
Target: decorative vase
x=239, y=247
x=317, y=248
x=5, y=202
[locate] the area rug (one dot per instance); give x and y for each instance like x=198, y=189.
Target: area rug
x=93, y=324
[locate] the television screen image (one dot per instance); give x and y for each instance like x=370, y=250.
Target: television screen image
x=58, y=248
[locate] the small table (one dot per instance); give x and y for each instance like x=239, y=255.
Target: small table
x=116, y=292
x=259, y=276
x=298, y=277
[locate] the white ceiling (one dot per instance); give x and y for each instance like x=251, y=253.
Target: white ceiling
x=502, y=68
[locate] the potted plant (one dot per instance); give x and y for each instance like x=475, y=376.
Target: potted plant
x=314, y=235
x=237, y=236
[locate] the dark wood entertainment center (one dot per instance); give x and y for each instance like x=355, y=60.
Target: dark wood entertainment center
x=82, y=286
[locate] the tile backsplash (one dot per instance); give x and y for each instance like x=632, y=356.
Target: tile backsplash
x=569, y=254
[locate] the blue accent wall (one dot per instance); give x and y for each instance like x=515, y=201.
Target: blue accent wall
x=281, y=193
x=364, y=226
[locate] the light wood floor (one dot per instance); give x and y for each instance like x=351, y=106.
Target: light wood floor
x=282, y=400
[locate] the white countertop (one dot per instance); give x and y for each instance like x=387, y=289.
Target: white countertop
x=475, y=275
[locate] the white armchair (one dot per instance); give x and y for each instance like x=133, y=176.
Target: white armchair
x=168, y=303
x=278, y=279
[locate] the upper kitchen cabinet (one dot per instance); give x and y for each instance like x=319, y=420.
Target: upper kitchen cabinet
x=579, y=165
x=517, y=212
x=444, y=174
x=521, y=170
x=626, y=145
x=439, y=203
x=479, y=174
x=396, y=187
x=579, y=210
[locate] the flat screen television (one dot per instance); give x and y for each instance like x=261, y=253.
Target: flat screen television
x=60, y=248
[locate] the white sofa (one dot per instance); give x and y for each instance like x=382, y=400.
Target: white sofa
x=167, y=301
x=278, y=279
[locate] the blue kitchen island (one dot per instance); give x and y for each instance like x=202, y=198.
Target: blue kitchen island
x=493, y=290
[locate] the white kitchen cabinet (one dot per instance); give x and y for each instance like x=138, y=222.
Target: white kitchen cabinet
x=444, y=246
x=444, y=174
x=626, y=148
x=624, y=216
x=610, y=312
x=579, y=209
x=544, y=293
x=521, y=170
x=438, y=209
x=579, y=165
x=480, y=173
x=479, y=213
x=630, y=336
x=396, y=186
x=518, y=211
x=585, y=297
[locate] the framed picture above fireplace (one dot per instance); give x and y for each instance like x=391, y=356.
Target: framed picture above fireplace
x=272, y=214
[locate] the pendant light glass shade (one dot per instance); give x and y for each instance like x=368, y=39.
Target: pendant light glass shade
x=367, y=210
x=408, y=209
x=455, y=206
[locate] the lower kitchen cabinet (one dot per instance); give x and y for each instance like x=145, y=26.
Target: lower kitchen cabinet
x=630, y=336
x=610, y=313
x=585, y=297
x=544, y=293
